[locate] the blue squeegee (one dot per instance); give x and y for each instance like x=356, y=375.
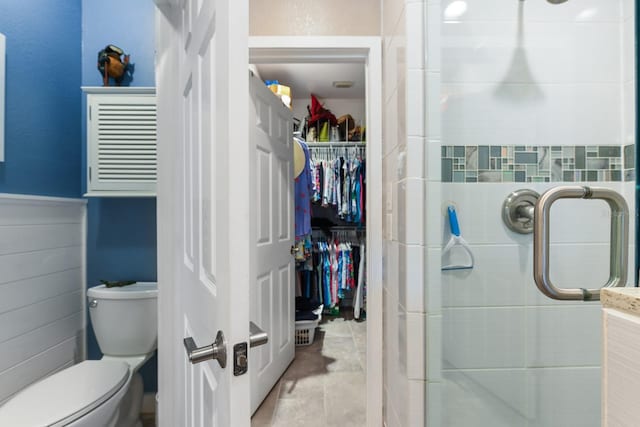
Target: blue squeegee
x=457, y=242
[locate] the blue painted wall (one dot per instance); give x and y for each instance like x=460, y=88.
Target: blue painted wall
x=121, y=241
x=43, y=109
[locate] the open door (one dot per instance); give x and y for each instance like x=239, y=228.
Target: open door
x=272, y=230
x=203, y=213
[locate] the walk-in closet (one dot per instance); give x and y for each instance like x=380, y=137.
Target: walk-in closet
x=328, y=107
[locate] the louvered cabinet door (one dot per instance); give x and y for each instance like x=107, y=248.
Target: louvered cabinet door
x=121, y=148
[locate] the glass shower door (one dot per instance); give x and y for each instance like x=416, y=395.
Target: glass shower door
x=533, y=95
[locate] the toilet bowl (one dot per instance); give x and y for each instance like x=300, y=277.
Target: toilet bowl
x=97, y=393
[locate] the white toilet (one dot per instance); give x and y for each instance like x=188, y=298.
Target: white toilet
x=97, y=393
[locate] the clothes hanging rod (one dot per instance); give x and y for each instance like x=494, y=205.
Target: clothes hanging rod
x=335, y=144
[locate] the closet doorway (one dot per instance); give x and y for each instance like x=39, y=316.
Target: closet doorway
x=339, y=54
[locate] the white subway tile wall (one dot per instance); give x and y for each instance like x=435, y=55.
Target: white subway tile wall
x=411, y=334
x=496, y=322
x=531, y=95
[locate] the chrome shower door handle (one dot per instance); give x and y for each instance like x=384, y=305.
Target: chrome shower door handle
x=618, y=244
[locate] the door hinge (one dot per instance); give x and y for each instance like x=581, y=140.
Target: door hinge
x=240, y=359
x=90, y=112
x=89, y=173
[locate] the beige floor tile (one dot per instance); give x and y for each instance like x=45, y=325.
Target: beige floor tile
x=345, y=399
x=336, y=327
x=360, y=338
x=264, y=414
x=358, y=327
x=362, y=356
x=148, y=420
x=326, y=383
x=309, y=364
x=300, y=412
x=308, y=387
x=343, y=352
x=331, y=344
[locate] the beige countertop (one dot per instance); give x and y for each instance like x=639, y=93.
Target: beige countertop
x=625, y=299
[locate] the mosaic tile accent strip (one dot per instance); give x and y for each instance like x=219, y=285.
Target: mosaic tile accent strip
x=520, y=163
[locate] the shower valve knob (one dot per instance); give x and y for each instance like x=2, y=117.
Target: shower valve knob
x=517, y=210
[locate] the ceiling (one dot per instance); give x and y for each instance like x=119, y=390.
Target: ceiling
x=317, y=79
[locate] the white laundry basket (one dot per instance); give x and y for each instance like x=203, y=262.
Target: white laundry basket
x=305, y=331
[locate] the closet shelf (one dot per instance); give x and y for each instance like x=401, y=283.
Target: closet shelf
x=335, y=144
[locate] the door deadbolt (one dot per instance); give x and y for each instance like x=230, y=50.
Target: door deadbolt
x=240, y=359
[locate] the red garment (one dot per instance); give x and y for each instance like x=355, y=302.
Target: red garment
x=318, y=112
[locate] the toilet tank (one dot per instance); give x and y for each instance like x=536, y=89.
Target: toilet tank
x=125, y=319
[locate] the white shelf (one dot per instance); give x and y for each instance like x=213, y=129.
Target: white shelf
x=119, y=89
x=119, y=194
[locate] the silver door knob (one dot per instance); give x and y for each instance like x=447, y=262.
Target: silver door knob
x=257, y=336
x=216, y=351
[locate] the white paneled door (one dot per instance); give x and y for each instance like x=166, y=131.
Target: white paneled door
x=203, y=210
x=272, y=292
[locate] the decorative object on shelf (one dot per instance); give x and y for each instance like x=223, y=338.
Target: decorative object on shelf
x=345, y=126
x=317, y=113
x=113, y=63
x=281, y=91
x=318, y=122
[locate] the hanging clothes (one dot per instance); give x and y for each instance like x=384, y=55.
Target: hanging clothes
x=338, y=181
x=303, y=190
x=333, y=270
x=359, y=301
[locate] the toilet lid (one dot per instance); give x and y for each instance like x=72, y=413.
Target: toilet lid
x=66, y=395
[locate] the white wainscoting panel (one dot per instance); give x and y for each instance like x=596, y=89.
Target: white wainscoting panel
x=42, y=288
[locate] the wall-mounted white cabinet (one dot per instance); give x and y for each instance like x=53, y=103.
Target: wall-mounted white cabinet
x=121, y=142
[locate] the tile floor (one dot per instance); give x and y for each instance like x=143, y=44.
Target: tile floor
x=148, y=420
x=325, y=384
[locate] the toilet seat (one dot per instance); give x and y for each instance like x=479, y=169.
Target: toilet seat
x=65, y=396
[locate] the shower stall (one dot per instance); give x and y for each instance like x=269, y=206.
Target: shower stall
x=529, y=95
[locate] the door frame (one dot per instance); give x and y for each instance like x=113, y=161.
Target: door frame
x=167, y=77
x=366, y=51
